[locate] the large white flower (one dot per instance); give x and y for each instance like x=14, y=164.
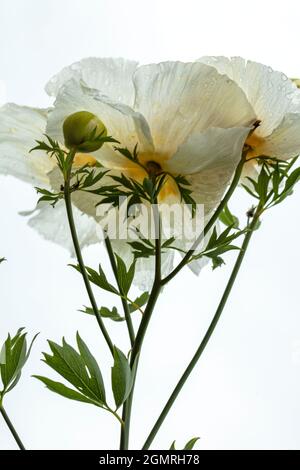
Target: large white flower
x=276, y=101
x=185, y=117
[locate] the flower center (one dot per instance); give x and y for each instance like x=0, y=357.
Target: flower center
x=254, y=141
x=153, y=168
x=83, y=159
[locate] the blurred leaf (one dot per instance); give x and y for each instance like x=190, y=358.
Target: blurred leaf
x=227, y=218
x=173, y=445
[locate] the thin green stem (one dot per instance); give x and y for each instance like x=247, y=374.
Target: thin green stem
x=207, y=336
x=123, y=299
x=211, y=222
x=68, y=203
x=11, y=428
x=135, y=353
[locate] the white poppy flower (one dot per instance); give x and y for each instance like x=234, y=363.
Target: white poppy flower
x=20, y=127
x=185, y=117
x=276, y=101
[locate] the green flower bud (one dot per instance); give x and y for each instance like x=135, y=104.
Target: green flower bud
x=84, y=132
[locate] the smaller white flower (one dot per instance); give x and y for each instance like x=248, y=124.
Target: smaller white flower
x=276, y=102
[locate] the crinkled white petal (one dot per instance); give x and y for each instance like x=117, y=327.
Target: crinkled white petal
x=180, y=98
x=128, y=127
x=112, y=77
x=210, y=158
x=284, y=142
x=271, y=93
x=52, y=224
x=20, y=127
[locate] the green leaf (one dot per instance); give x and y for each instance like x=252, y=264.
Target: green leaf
x=217, y=262
x=1, y=260
x=13, y=357
x=99, y=279
x=93, y=368
x=139, y=302
x=73, y=366
x=227, y=218
x=105, y=312
x=140, y=250
x=121, y=377
x=125, y=277
x=190, y=444
x=64, y=391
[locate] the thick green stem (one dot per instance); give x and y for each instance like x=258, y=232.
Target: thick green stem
x=211, y=221
x=124, y=301
x=68, y=202
x=156, y=288
x=207, y=336
x=12, y=429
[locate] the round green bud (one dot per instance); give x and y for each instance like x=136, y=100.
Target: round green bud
x=83, y=131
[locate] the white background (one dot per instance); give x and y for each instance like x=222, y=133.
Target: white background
x=244, y=393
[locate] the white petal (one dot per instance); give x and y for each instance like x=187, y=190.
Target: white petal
x=284, y=142
x=211, y=159
x=113, y=77
x=178, y=98
x=52, y=224
x=271, y=93
x=213, y=148
x=125, y=125
x=20, y=127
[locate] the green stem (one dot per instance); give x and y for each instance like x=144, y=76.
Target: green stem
x=12, y=429
x=135, y=353
x=81, y=264
x=211, y=221
x=207, y=336
x=123, y=299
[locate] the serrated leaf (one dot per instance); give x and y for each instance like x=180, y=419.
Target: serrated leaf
x=105, y=312
x=13, y=357
x=121, y=377
x=99, y=279
x=64, y=391
x=173, y=446
x=92, y=366
x=125, y=277
x=73, y=366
